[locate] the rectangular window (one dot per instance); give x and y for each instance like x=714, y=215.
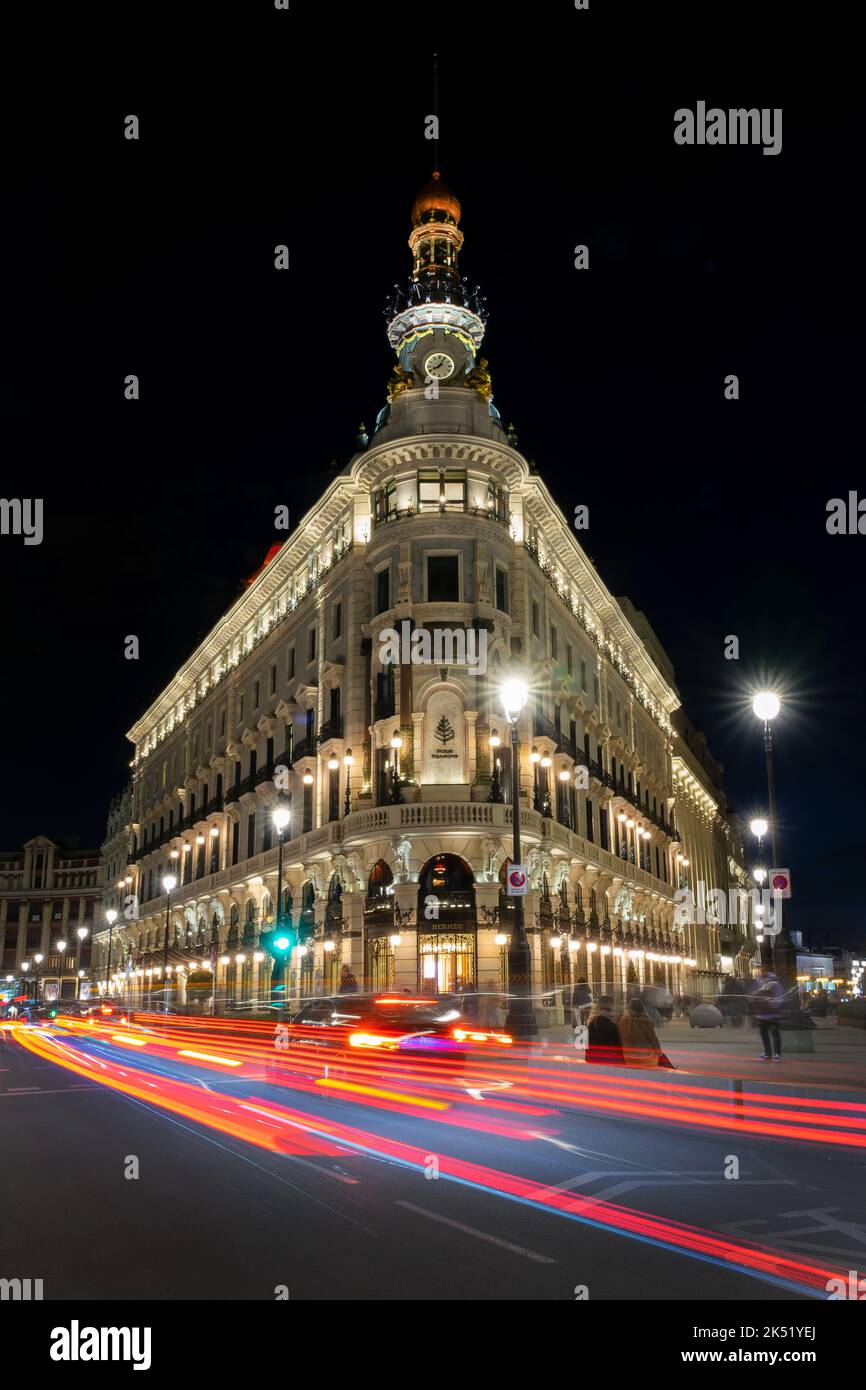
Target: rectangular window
x=311, y=645
x=241, y=706
x=501, y=589
x=384, y=503
x=590, y=833
x=338, y=621
x=442, y=490
x=236, y=831
x=443, y=579
x=536, y=627
x=428, y=490
x=454, y=489
x=383, y=589
x=251, y=835
x=569, y=658
x=583, y=684
x=291, y=662
x=554, y=643
x=273, y=681
x=256, y=694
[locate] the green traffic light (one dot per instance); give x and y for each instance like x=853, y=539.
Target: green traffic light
x=282, y=943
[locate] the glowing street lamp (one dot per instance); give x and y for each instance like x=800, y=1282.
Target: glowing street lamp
x=169, y=882
x=520, y=1020
x=765, y=706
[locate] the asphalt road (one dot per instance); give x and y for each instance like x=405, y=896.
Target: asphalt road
x=211, y=1216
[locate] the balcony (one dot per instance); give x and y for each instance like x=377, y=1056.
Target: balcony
x=333, y=728
x=305, y=749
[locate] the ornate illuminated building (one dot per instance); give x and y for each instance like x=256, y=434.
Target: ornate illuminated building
x=50, y=895
x=397, y=774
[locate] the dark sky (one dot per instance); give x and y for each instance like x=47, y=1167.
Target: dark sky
x=156, y=257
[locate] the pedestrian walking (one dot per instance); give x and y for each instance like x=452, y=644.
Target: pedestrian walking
x=581, y=1001
x=488, y=1005
x=768, y=1003
x=603, y=1042
x=640, y=1044
x=348, y=983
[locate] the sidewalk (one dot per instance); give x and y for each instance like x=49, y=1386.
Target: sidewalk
x=839, y=1059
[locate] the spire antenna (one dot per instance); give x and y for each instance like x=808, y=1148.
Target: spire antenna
x=436, y=112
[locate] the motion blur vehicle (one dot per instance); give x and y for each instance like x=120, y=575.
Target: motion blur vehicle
x=397, y=1025
x=96, y=1009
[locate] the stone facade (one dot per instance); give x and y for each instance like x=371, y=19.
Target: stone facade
x=49, y=893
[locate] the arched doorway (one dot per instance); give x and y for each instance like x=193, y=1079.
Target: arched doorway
x=446, y=926
x=379, y=928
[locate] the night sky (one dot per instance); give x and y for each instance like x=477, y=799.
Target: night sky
x=156, y=257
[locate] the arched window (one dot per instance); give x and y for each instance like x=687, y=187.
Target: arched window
x=450, y=881
x=334, y=905
x=251, y=912
x=380, y=880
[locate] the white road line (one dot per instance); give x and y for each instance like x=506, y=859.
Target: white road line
x=481, y=1235
x=47, y=1091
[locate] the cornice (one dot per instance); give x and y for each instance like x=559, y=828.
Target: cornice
x=470, y=451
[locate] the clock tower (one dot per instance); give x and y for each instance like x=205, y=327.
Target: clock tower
x=436, y=324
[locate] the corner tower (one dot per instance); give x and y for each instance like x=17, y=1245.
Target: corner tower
x=436, y=326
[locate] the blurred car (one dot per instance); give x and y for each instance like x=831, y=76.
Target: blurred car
x=398, y=1025
x=110, y=1009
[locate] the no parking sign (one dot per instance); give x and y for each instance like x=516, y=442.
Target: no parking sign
x=517, y=881
x=780, y=883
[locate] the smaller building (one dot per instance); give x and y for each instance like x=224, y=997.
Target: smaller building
x=50, y=901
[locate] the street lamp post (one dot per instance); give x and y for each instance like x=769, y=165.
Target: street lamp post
x=280, y=817
x=111, y=918
x=61, y=947
x=168, y=884
x=347, y=762
x=766, y=706
x=82, y=937
x=520, y=1020
x=38, y=959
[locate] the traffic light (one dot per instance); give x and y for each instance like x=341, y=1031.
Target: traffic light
x=275, y=942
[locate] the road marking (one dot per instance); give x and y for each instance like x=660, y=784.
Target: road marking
x=47, y=1091
x=481, y=1235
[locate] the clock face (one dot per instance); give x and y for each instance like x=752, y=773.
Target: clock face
x=439, y=365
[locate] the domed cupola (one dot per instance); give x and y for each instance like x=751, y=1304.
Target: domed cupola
x=438, y=299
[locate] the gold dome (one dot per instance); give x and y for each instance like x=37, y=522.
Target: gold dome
x=435, y=197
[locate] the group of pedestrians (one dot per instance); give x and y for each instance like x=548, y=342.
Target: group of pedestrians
x=627, y=1040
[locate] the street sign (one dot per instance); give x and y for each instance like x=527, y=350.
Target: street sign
x=517, y=881
x=780, y=882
